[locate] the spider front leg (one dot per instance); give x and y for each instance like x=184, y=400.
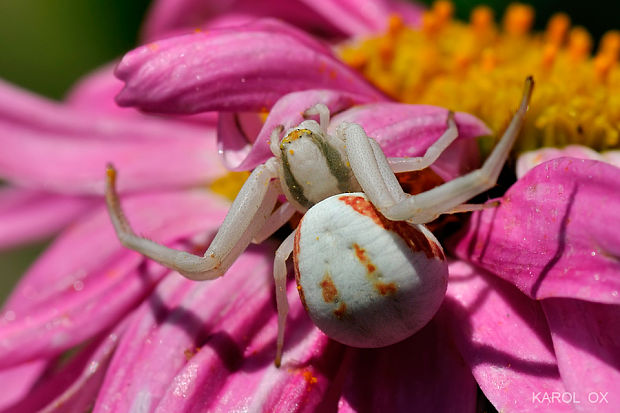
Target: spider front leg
x=432, y=153
x=247, y=215
x=323, y=112
x=369, y=165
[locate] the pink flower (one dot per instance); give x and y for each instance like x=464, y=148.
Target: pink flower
x=532, y=304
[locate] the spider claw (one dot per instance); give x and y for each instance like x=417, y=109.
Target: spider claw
x=110, y=172
x=450, y=120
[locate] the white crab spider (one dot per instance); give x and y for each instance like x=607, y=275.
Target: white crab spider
x=310, y=166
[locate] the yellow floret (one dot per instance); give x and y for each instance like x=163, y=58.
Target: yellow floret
x=479, y=68
x=230, y=184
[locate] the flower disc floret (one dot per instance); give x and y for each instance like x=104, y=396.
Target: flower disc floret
x=478, y=68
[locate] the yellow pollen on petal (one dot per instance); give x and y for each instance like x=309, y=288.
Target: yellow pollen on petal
x=230, y=184
x=479, y=68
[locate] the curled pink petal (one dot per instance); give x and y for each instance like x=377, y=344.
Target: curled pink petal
x=408, y=130
x=503, y=337
x=529, y=160
x=420, y=371
x=552, y=235
x=586, y=339
x=288, y=111
x=28, y=216
x=230, y=70
x=235, y=133
x=103, y=282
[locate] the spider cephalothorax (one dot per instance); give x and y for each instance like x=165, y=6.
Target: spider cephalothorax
x=369, y=272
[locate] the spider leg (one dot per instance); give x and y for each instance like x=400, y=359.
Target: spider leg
x=247, y=215
x=279, y=217
x=432, y=152
x=471, y=207
x=396, y=192
x=279, y=275
x=375, y=181
x=323, y=112
x=447, y=197
x=274, y=140
x=389, y=179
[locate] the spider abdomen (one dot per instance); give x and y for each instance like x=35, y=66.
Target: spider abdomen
x=364, y=280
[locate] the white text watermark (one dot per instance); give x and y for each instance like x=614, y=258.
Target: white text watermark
x=556, y=397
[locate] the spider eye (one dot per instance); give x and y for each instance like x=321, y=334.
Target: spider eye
x=294, y=135
x=366, y=281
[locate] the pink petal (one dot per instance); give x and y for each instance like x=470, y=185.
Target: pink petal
x=211, y=345
x=586, y=339
x=424, y=371
x=529, y=160
x=252, y=382
x=553, y=234
x=503, y=337
x=96, y=93
x=17, y=381
x=192, y=341
x=20, y=108
x=170, y=16
x=68, y=164
x=235, y=133
x=239, y=154
x=408, y=130
x=28, y=216
x=61, y=149
x=231, y=70
x=612, y=157
x=73, y=387
x=60, y=302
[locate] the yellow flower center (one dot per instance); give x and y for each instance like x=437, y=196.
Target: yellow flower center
x=479, y=68
x=230, y=184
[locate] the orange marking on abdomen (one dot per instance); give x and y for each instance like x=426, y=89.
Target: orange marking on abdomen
x=300, y=290
x=415, y=239
x=330, y=292
x=371, y=274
